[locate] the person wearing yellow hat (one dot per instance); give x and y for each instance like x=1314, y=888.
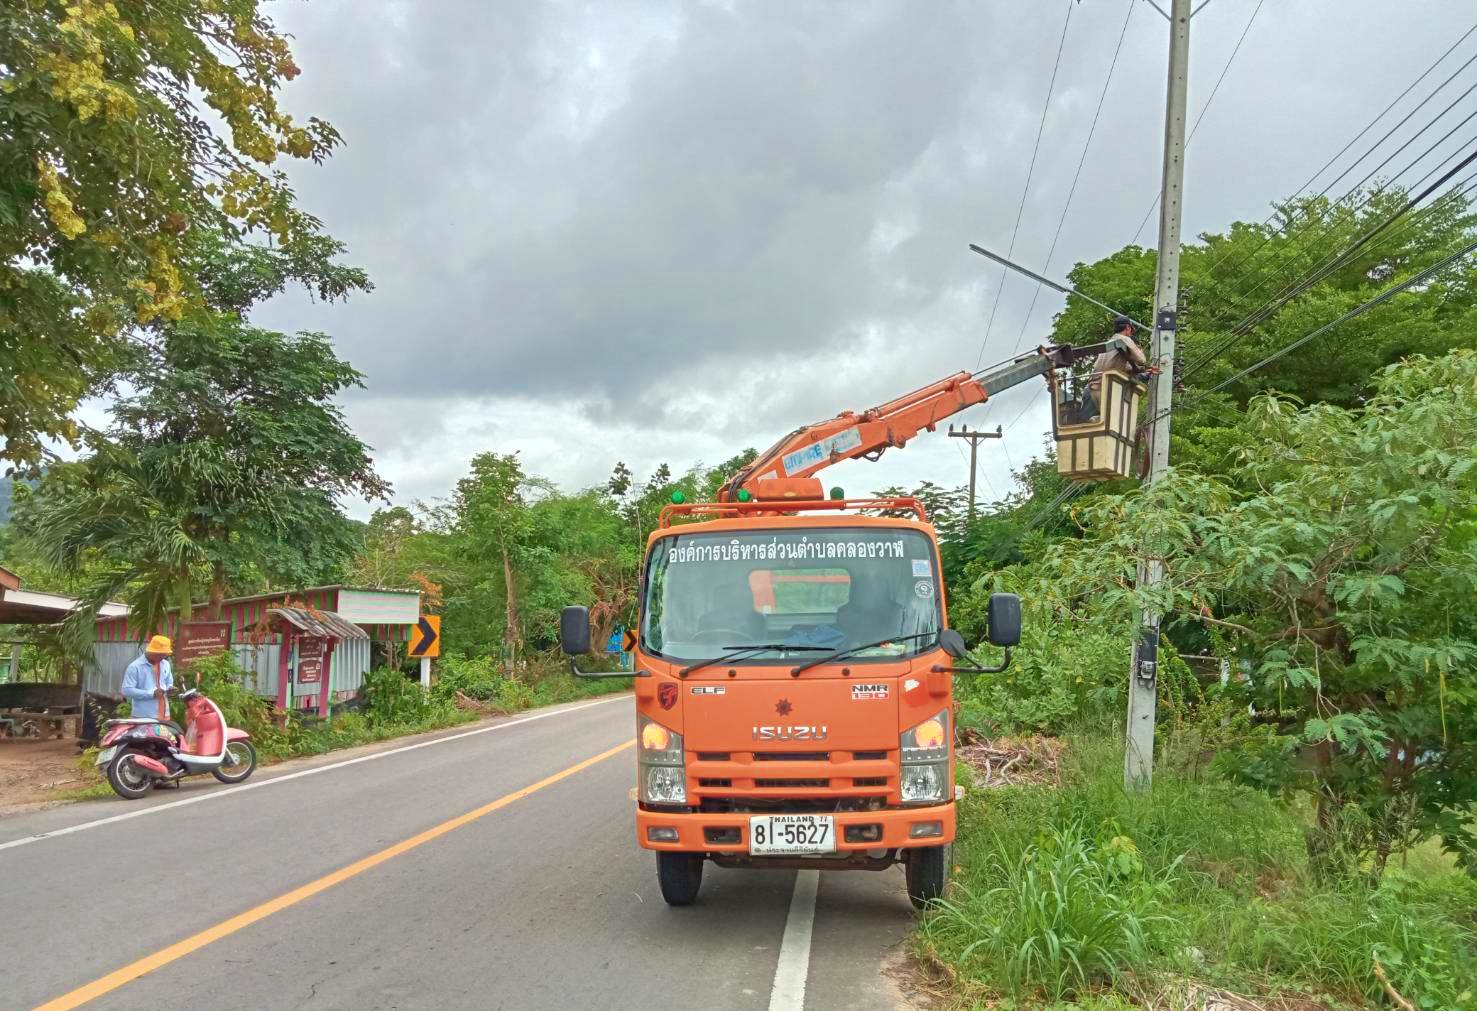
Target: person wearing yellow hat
x=148, y=678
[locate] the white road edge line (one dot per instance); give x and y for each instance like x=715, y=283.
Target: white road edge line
x=788, y=993
x=234, y=790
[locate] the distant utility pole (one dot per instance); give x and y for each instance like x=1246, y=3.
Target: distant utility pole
x=974, y=438
x=1143, y=687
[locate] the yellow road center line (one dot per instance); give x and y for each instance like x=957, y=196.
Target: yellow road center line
x=180, y=949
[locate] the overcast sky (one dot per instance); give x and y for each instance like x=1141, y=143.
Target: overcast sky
x=667, y=231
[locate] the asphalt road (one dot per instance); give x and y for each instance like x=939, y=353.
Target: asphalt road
x=491, y=868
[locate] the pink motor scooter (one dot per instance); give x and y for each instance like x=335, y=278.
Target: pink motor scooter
x=138, y=753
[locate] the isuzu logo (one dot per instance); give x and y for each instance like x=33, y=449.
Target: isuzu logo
x=790, y=733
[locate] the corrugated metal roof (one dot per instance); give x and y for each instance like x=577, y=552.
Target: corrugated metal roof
x=324, y=623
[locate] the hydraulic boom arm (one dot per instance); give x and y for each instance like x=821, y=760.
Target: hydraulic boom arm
x=808, y=450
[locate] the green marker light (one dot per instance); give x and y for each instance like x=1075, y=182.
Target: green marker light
x=678, y=498
x=837, y=493
x=743, y=495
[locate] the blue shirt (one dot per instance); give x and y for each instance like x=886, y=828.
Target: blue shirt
x=139, y=685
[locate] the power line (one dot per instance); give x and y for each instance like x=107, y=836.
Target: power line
x=1250, y=257
x=1300, y=250
x=1322, y=271
x=1204, y=108
x=1030, y=171
x=1044, y=513
x=1072, y=190
x=1359, y=310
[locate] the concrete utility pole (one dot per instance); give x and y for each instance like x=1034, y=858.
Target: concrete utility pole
x=1143, y=688
x=974, y=438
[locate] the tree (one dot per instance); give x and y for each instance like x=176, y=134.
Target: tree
x=109, y=172
x=491, y=522
x=620, y=481
x=1336, y=557
x=229, y=457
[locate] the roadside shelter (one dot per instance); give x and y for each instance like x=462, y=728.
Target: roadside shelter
x=53, y=706
x=267, y=633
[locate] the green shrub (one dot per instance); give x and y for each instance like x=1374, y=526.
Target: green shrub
x=392, y=698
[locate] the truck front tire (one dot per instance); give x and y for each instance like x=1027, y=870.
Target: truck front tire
x=927, y=869
x=680, y=875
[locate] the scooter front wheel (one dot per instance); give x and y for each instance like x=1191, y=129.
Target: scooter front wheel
x=127, y=779
x=239, y=762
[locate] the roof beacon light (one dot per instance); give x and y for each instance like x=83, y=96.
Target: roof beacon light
x=837, y=493
x=678, y=498
x=743, y=495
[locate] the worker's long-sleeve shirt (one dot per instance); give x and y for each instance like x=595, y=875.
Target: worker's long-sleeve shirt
x=139, y=685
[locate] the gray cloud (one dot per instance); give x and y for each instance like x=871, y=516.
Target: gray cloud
x=675, y=229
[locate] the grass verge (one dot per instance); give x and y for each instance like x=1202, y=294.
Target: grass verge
x=1087, y=896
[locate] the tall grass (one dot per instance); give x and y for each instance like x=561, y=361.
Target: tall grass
x=1071, y=913
x=1083, y=892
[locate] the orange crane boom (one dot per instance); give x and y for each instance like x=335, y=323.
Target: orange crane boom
x=812, y=448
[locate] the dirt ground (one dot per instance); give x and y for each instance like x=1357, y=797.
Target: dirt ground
x=31, y=771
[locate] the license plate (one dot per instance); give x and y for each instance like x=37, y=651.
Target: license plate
x=791, y=834
x=106, y=755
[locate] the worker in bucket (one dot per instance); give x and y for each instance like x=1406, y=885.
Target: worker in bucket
x=1131, y=361
x=148, y=678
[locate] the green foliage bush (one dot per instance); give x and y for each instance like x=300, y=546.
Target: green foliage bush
x=390, y=697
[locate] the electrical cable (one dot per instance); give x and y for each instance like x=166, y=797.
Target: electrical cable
x=1030, y=171
x=1248, y=258
x=1082, y=161
x=1357, y=311
x=1300, y=250
x=1257, y=317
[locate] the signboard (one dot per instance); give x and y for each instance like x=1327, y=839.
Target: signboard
x=199, y=639
x=628, y=640
x=425, y=637
x=310, y=650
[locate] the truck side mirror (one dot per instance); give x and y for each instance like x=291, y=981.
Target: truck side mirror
x=574, y=630
x=952, y=643
x=1004, y=611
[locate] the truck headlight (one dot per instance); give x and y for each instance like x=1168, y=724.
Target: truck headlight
x=925, y=760
x=924, y=784
x=663, y=784
x=660, y=772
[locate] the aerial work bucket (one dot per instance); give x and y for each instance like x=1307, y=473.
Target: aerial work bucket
x=1095, y=434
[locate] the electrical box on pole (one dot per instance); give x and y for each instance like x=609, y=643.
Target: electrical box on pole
x=1143, y=678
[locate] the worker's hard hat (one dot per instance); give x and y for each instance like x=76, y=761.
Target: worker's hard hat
x=160, y=644
x=1120, y=322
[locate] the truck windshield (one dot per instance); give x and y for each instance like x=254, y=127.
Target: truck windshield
x=831, y=587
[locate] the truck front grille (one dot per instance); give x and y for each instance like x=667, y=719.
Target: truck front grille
x=790, y=784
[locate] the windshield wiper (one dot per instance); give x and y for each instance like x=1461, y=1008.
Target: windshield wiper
x=739, y=651
x=849, y=650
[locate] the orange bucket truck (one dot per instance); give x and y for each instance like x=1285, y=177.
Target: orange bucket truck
x=794, y=663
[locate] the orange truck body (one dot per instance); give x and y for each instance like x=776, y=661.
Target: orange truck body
x=758, y=739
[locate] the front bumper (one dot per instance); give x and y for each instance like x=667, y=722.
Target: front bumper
x=727, y=832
